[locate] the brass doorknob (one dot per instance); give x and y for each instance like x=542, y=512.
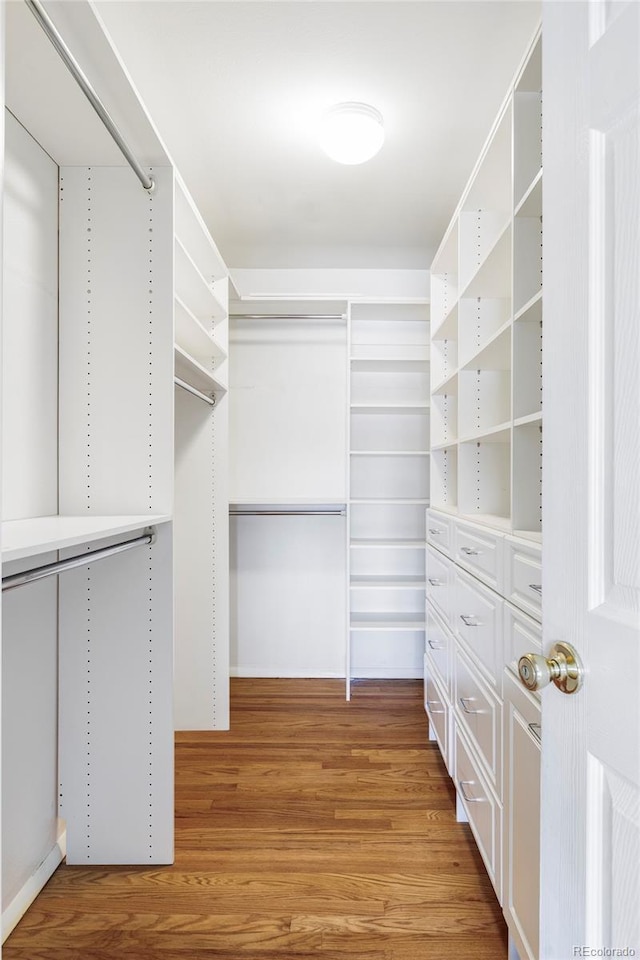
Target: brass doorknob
x=563, y=666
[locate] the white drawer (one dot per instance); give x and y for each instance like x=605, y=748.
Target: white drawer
x=438, y=647
x=523, y=575
x=482, y=808
x=480, y=712
x=439, y=582
x=438, y=712
x=522, y=635
x=478, y=623
x=439, y=531
x=480, y=551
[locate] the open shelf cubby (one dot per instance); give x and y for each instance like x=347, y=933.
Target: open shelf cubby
x=444, y=478
x=484, y=486
x=390, y=431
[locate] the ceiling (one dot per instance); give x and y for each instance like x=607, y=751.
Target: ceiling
x=235, y=88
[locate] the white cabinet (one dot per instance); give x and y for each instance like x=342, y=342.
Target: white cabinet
x=388, y=488
x=484, y=525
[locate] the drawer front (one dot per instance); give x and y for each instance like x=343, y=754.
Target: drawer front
x=482, y=808
x=437, y=709
x=522, y=635
x=523, y=576
x=439, y=582
x=478, y=623
x=438, y=648
x=480, y=552
x=439, y=531
x=480, y=712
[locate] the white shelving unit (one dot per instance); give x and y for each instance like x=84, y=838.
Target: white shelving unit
x=388, y=488
x=484, y=526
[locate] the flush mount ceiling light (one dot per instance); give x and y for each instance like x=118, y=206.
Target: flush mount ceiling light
x=351, y=132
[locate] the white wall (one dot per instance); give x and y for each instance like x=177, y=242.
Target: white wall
x=30, y=488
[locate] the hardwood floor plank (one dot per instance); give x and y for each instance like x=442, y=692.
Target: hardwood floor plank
x=315, y=828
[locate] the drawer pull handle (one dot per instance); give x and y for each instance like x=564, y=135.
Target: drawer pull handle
x=536, y=730
x=537, y=587
x=469, y=620
x=467, y=783
x=470, y=552
x=435, y=582
x=463, y=701
x=431, y=710
x=435, y=646
x=435, y=533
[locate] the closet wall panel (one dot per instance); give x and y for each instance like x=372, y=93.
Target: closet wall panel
x=29, y=488
x=30, y=333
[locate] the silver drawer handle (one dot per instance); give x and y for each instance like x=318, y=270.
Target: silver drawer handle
x=429, y=702
x=461, y=786
x=435, y=646
x=470, y=552
x=435, y=582
x=435, y=533
x=536, y=730
x=537, y=587
x=469, y=620
x=463, y=703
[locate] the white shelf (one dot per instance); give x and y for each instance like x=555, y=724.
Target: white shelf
x=388, y=583
x=444, y=446
x=531, y=203
x=501, y=433
x=389, y=366
x=195, y=290
x=389, y=453
x=496, y=521
x=390, y=408
x=531, y=418
x=388, y=543
x=447, y=329
x=493, y=276
x=387, y=621
x=446, y=386
x=399, y=501
x=192, y=337
x=37, y=535
x=531, y=311
x=495, y=354
x=291, y=502
x=188, y=369
x=534, y=535
x=194, y=235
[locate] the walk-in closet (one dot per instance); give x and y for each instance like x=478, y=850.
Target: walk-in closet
x=320, y=469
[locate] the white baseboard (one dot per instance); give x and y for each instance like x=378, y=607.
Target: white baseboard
x=266, y=672
x=16, y=910
x=388, y=673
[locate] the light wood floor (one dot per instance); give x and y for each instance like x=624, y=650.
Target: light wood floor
x=315, y=829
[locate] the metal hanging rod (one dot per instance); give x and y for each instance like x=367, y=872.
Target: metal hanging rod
x=196, y=393
x=287, y=316
x=81, y=79
x=60, y=566
x=286, y=513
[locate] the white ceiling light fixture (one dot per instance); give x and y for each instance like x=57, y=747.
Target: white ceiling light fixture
x=352, y=132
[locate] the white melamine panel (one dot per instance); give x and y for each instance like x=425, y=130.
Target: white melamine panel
x=444, y=415
x=395, y=602
x=521, y=635
x=30, y=328
x=390, y=431
x=479, y=231
x=385, y=559
x=288, y=596
x=116, y=342
x=287, y=411
x=444, y=478
x=527, y=260
x=194, y=235
x=438, y=711
x=444, y=296
x=479, y=319
x=116, y=718
x=480, y=551
x=484, y=400
x=391, y=386
x=439, y=588
x=527, y=364
x=387, y=520
x=479, y=711
x=444, y=360
x=439, y=644
x=493, y=277
x=527, y=145
x=484, y=488
x=29, y=725
x=387, y=653
x=490, y=187
x=527, y=477
x=401, y=477
x=523, y=575
x=201, y=680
